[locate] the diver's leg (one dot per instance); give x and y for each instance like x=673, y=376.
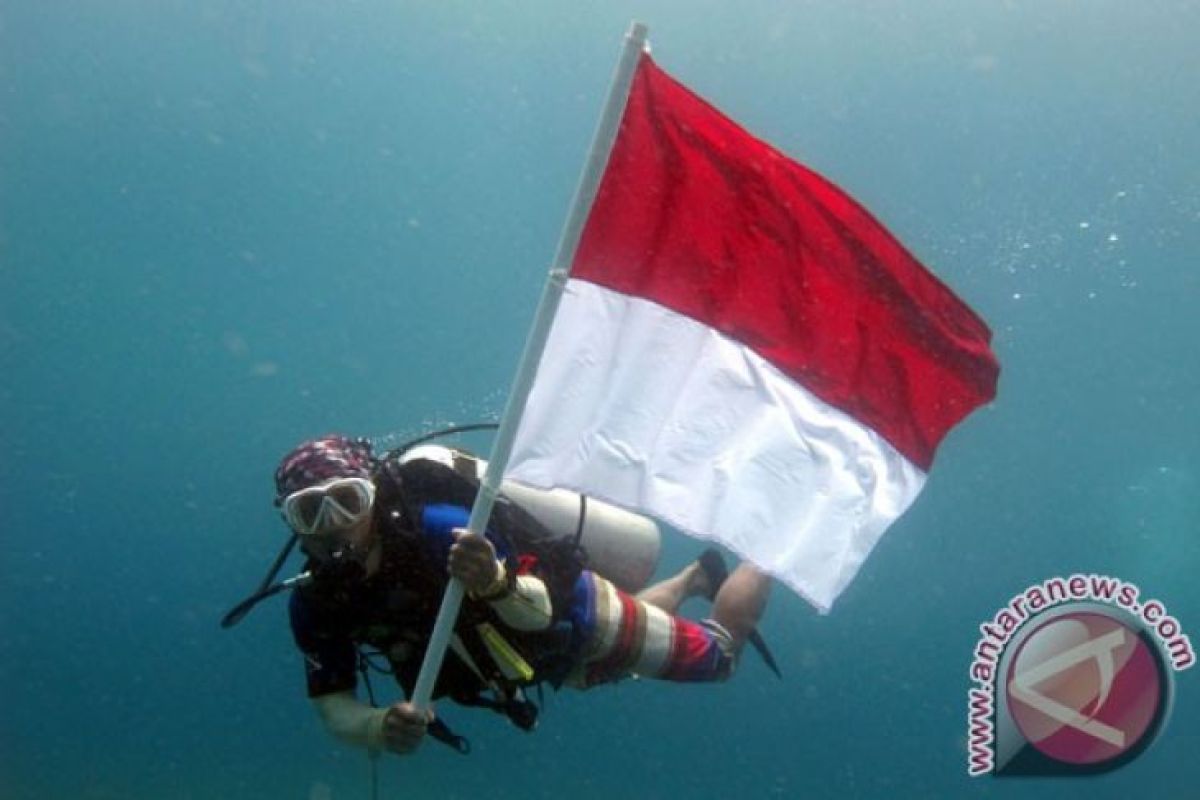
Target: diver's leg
x=740, y=602
x=691, y=581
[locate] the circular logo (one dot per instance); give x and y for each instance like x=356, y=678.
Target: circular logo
x=1086, y=688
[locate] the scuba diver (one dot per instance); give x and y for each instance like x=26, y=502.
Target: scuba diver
x=382, y=536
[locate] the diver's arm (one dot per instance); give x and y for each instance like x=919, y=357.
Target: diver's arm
x=525, y=605
x=399, y=728
x=350, y=720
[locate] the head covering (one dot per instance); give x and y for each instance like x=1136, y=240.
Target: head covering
x=318, y=460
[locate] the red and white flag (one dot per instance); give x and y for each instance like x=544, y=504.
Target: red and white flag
x=743, y=351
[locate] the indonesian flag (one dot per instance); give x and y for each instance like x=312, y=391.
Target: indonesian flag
x=743, y=351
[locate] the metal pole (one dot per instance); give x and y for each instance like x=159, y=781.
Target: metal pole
x=581, y=205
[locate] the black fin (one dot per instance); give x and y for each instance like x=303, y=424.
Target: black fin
x=760, y=645
x=714, y=567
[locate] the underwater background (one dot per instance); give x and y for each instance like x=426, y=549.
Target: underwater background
x=226, y=226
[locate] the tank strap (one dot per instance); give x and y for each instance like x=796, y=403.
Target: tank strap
x=582, y=519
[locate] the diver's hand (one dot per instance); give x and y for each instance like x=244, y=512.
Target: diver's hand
x=404, y=727
x=473, y=561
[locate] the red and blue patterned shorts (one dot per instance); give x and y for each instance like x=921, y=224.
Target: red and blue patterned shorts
x=624, y=636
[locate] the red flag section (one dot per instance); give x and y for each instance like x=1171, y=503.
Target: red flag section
x=698, y=216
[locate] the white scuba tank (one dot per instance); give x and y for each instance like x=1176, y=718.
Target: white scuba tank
x=621, y=545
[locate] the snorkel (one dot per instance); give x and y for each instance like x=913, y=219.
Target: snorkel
x=335, y=561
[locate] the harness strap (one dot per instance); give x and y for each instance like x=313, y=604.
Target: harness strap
x=520, y=710
x=439, y=730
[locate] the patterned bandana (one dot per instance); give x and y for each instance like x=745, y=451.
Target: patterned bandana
x=319, y=460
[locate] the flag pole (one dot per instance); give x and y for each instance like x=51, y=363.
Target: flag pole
x=581, y=204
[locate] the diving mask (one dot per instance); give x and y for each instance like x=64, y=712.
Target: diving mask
x=334, y=505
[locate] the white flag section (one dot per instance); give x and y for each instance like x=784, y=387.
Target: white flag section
x=643, y=407
x=744, y=352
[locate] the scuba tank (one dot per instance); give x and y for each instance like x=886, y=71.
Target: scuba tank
x=621, y=546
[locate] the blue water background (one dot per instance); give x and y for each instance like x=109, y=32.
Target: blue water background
x=227, y=226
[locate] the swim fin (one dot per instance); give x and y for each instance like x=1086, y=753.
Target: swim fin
x=764, y=652
x=715, y=570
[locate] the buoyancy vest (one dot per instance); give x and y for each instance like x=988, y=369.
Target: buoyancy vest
x=393, y=612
